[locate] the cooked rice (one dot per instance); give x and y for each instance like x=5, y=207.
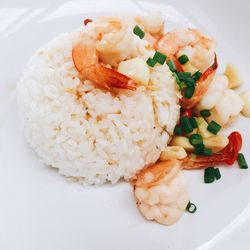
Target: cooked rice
x=85, y=132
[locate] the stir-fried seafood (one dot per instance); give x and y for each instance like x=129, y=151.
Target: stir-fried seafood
x=85, y=58
x=199, y=48
x=161, y=192
x=160, y=189
x=225, y=104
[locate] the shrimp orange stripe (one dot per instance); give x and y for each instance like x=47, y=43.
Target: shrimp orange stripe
x=202, y=86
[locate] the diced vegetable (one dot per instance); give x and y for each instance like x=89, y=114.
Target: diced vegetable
x=182, y=141
x=205, y=113
x=177, y=130
x=173, y=152
x=217, y=173
x=233, y=76
x=195, y=140
x=136, y=69
x=183, y=59
x=191, y=207
x=138, y=31
x=189, y=92
x=216, y=143
x=199, y=149
x=214, y=127
x=186, y=125
x=202, y=128
x=207, y=151
x=196, y=76
x=193, y=122
x=209, y=176
x=159, y=57
x=171, y=65
x=245, y=96
x=86, y=21
x=242, y=161
x=151, y=62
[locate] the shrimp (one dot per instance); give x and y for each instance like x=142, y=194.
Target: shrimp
x=224, y=103
x=202, y=86
x=200, y=50
x=153, y=24
x=160, y=189
x=161, y=192
x=85, y=58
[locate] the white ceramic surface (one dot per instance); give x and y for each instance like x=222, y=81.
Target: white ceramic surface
x=40, y=210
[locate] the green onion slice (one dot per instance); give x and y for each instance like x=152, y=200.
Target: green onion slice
x=193, y=122
x=217, y=173
x=159, y=57
x=242, y=161
x=186, y=125
x=171, y=65
x=151, y=62
x=138, y=31
x=207, y=151
x=184, y=75
x=191, y=208
x=195, y=140
x=205, y=113
x=189, y=92
x=198, y=150
x=196, y=76
x=183, y=59
x=177, y=130
x=213, y=127
x=209, y=176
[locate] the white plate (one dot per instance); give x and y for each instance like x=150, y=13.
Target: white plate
x=40, y=210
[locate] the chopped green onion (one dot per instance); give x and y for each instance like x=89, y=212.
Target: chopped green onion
x=159, y=57
x=193, y=122
x=195, y=140
x=171, y=65
x=207, y=151
x=189, y=81
x=217, y=173
x=191, y=208
x=242, y=161
x=183, y=59
x=196, y=76
x=205, y=113
x=177, y=130
x=213, y=127
x=176, y=78
x=138, y=31
x=189, y=92
x=198, y=150
x=151, y=62
x=183, y=75
x=186, y=125
x=209, y=176
x=182, y=86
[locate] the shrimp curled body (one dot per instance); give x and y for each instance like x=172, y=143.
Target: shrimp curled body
x=161, y=192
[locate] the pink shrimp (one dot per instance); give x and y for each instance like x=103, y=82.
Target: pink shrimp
x=86, y=61
x=200, y=50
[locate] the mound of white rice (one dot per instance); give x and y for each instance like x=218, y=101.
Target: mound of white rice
x=88, y=133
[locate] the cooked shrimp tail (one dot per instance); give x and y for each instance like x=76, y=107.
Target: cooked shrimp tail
x=85, y=59
x=110, y=78
x=202, y=86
